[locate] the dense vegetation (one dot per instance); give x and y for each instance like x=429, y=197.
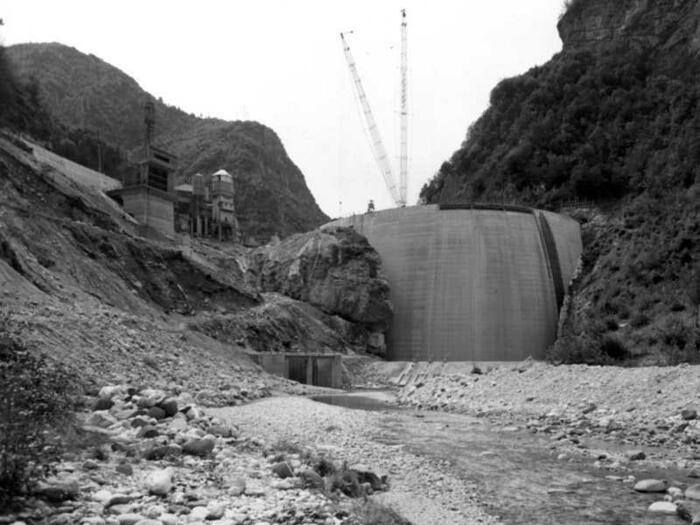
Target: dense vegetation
x=37, y=399
x=20, y=107
x=22, y=111
x=585, y=126
x=637, y=298
x=608, y=132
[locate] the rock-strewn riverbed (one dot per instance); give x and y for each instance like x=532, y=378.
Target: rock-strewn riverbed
x=655, y=406
x=618, y=421
x=421, y=489
x=556, y=441
x=149, y=457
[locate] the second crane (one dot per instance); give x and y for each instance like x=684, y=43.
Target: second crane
x=399, y=195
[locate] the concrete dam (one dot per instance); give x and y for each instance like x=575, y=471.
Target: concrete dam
x=480, y=283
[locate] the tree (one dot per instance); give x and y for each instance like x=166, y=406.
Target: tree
x=694, y=295
x=37, y=399
x=8, y=88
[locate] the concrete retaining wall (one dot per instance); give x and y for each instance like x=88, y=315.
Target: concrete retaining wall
x=471, y=284
x=310, y=369
x=76, y=172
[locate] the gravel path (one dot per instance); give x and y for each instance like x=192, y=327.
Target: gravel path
x=421, y=490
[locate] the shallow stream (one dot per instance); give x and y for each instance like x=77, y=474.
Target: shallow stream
x=516, y=475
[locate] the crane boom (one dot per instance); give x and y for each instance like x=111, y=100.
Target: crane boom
x=378, y=149
x=403, y=158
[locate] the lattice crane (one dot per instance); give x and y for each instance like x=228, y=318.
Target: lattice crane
x=376, y=143
x=403, y=158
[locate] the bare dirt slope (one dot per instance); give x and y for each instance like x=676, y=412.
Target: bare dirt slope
x=85, y=288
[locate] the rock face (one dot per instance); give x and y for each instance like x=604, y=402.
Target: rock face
x=322, y=292
x=282, y=324
x=271, y=193
x=336, y=271
x=647, y=23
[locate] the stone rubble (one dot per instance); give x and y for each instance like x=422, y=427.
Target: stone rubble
x=615, y=416
x=157, y=458
x=421, y=490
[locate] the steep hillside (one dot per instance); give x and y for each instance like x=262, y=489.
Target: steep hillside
x=85, y=92
x=610, y=123
x=85, y=289
x=87, y=292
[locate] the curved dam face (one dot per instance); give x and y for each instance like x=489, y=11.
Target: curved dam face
x=472, y=284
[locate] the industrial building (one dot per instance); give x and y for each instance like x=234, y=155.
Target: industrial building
x=147, y=193
x=205, y=207
x=472, y=283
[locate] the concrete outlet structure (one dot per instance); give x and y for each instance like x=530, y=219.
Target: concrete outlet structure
x=310, y=369
x=472, y=283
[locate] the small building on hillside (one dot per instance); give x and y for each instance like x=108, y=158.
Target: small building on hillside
x=148, y=193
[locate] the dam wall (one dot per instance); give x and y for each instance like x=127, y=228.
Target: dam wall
x=470, y=284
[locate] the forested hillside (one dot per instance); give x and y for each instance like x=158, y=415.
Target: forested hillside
x=84, y=92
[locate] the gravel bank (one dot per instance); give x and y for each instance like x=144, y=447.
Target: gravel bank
x=654, y=406
x=421, y=490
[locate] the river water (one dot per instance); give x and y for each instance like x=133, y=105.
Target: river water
x=516, y=474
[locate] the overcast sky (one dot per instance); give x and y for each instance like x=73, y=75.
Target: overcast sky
x=281, y=63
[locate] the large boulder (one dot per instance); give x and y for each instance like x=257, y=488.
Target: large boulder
x=201, y=447
x=693, y=492
x=651, y=485
x=335, y=270
x=58, y=490
x=159, y=482
x=101, y=419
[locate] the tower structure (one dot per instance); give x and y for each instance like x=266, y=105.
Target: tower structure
x=398, y=194
x=198, y=223
x=223, y=208
x=148, y=193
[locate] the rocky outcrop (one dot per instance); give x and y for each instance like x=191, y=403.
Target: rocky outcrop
x=282, y=324
x=648, y=23
x=336, y=271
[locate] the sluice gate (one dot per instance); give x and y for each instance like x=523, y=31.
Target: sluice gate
x=472, y=283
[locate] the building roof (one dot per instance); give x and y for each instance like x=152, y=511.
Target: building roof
x=184, y=187
x=222, y=172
